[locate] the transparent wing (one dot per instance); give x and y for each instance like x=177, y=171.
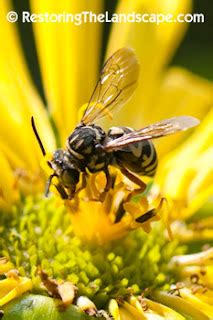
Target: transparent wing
x=117, y=82
x=156, y=130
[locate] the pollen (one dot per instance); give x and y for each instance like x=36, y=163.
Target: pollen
x=104, y=221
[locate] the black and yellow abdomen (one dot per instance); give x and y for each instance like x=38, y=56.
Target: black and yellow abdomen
x=139, y=157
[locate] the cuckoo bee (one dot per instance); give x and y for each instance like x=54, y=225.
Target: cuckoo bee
x=90, y=149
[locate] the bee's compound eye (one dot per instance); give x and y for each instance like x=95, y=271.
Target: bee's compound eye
x=70, y=177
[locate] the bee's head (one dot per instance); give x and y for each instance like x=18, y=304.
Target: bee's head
x=63, y=166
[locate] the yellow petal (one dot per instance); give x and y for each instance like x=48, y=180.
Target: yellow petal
x=12, y=288
x=181, y=305
x=201, y=258
x=18, y=101
x=114, y=309
x=69, y=57
x=206, y=296
x=180, y=93
x=184, y=234
x=129, y=312
x=8, y=192
x=165, y=312
x=188, y=296
x=203, y=274
x=154, y=45
x=186, y=175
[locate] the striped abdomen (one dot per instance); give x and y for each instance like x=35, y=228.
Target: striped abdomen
x=139, y=157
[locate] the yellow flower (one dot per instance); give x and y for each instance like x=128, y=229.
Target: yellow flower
x=104, y=251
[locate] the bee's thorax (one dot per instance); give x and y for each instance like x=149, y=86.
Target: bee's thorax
x=85, y=145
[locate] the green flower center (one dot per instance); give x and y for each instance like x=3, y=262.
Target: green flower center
x=38, y=232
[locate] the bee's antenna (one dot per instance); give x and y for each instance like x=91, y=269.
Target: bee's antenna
x=37, y=137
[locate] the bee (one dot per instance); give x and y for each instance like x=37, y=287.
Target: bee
x=90, y=149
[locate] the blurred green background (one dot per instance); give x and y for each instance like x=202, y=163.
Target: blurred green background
x=195, y=52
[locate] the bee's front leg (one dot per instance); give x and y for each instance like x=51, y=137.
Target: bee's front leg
x=71, y=192
x=84, y=182
x=107, y=186
x=62, y=191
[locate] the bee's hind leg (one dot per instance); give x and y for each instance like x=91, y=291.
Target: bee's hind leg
x=136, y=180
